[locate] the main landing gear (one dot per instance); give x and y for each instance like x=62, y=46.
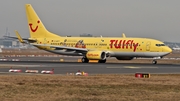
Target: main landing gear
x=84, y=60
x=154, y=62
x=102, y=61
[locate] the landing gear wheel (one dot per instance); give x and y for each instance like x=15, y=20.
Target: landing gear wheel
x=102, y=61
x=154, y=62
x=84, y=60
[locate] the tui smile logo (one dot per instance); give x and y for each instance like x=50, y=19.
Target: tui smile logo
x=33, y=29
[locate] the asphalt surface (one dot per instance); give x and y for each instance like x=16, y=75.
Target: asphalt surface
x=90, y=68
x=65, y=58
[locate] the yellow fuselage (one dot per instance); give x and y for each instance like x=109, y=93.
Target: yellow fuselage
x=111, y=44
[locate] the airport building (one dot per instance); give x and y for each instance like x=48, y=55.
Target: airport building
x=13, y=43
x=9, y=43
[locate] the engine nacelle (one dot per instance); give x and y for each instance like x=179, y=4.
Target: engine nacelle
x=96, y=55
x=124, y=58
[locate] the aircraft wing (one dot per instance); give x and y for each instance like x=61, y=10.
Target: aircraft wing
x=62, y=47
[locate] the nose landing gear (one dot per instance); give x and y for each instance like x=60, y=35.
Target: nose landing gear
x=154, y=62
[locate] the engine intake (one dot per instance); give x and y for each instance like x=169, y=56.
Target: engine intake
x=96, y=55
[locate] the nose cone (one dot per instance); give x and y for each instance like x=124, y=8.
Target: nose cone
x=167, y=49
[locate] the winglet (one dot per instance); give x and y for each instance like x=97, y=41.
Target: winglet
x=123, y=35
x=19, y=37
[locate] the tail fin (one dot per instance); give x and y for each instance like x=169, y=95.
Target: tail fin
x=36, y=27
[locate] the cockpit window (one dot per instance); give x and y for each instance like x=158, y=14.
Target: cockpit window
x=160, y=45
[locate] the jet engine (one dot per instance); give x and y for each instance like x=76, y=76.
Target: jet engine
x=96, y=55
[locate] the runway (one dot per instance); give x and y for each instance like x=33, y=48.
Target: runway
x=90, y=68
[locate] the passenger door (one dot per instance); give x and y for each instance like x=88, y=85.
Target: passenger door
x=148, y=44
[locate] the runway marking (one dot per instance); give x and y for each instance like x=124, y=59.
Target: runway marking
x=31, y=65
x=131, y=67
x=15, y=65
x=114, y=67
x=148, y=67
x=78, y=65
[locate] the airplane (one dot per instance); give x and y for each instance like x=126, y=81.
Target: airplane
x=91, y=48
